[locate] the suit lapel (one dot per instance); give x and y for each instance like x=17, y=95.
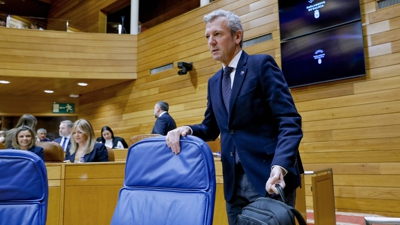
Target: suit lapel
x=240, y=74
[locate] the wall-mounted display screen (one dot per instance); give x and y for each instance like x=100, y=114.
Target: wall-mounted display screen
x=324, y=56
x=301, y=17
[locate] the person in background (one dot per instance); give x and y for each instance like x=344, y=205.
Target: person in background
x=83, y=144
x=3, y=135
x=164, y=122
x=2, y=22
x=65, y=134
x=24, y=140
x=25, y=120
x=250, y=106
x=35, y=26
x=41, y=135
x=108, y=139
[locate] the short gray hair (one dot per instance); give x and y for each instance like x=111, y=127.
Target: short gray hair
x=163, y=105
x=234, y=23
x=68, y=122
x=40, y=130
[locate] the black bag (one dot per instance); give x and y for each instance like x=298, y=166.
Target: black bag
x=268, y=211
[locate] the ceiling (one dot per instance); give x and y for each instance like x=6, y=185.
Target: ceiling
x=61, y=87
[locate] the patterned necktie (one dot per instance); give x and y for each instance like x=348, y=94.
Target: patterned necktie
x=226, y=86
x=226, y=94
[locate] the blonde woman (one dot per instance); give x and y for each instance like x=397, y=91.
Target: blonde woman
x=83, y=144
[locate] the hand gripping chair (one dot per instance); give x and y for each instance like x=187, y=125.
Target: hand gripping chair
x=162, y=188
x=23, y=188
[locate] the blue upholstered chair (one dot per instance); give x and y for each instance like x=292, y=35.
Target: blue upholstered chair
x=162, y=188
x=23, y=188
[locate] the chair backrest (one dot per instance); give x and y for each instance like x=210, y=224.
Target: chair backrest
x=161, y=188
x=53, y=151
x=2, y=145
x=23, y=188
x=139, y=137
x=111, y=157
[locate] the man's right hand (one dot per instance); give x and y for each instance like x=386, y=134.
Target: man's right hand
x=173, y=138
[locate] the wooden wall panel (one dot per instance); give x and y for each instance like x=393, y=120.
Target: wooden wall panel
x=54, y=59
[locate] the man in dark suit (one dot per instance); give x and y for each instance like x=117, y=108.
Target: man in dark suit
x=164, y=122
x=41, y=135
x=252, y=110
x=65, y=134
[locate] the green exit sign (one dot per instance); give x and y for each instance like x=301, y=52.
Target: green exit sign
x=63, y=108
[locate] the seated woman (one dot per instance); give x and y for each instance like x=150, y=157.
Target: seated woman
x=83, y=145
x=108, y=139
x=24, y=139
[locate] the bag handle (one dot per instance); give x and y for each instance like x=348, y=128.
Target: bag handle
x=281, y=193
x=296, y=213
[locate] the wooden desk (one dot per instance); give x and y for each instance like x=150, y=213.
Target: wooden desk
x=91, y=192
x=84, y=193
x=120, y=154
x=55, y=208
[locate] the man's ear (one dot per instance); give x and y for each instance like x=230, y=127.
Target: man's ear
x=238, y=37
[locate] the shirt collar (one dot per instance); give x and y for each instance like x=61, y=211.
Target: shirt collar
x=234, y=62
x=162, y=114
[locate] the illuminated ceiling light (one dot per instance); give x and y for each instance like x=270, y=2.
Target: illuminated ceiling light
x=73, y=96
x=4, y=82
x=82, y=84
x=49, y=91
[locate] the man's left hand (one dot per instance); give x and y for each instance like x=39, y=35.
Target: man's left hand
x=276, y=177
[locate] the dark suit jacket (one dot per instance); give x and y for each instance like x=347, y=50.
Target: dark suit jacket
x=263, y=124
x=38, y=151
x=115, y=141
x=98, y=154
x=45, y=140
x=58, y=140
x=164, y=124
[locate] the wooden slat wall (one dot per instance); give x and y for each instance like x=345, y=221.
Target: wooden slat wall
x=67, y=54
x=352, y=126
x=48, y=55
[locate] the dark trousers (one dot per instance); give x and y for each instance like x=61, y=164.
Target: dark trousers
x=245, y=194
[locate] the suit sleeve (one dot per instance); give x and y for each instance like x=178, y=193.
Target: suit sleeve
x=123, y=142
x=160, y=127
x=284, y=112
x=101, y=153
